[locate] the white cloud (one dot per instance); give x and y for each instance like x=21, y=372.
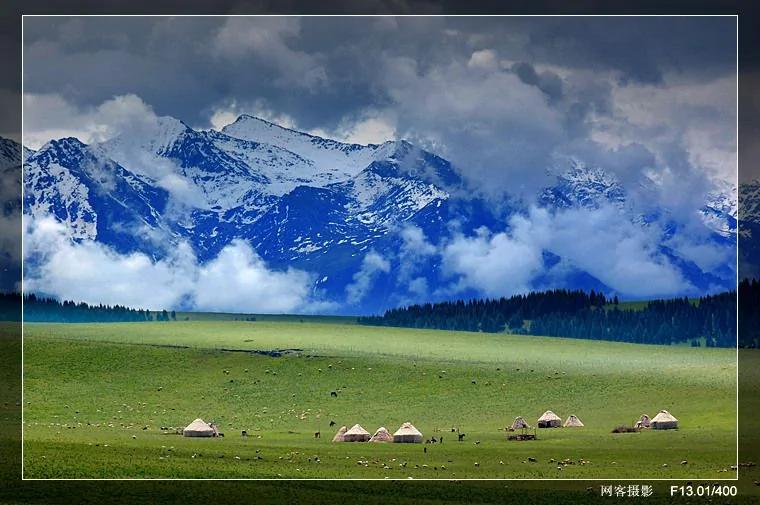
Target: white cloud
x=92, y=273
x=495, y=264
x=419, y=287
x=621, y=254
x=500, y=130
x=372, y=265
x=414, y=249
x=697, y=117
x=485, y=59
x=49, y=116
x=266, y=39
x=371, y=127
x=237, y=279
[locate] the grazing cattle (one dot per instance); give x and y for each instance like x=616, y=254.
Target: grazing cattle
x=461, y=436
x=334, y=394
x=424, y=449
x=317, y=434
x=332, y=423
x=440, y=439
x=220, y=434
x=243, y=433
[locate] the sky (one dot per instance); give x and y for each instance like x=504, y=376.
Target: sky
x=504, y=99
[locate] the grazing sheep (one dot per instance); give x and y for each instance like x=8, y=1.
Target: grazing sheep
x=334, y=394
x=243, y=433
x=461, y=436
x=332, y=423
x=317, y=434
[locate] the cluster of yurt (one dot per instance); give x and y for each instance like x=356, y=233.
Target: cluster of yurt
x=664, y=420
x=548, y=420
x=407, y=433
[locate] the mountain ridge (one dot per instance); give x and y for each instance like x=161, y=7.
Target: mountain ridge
x=311, y=203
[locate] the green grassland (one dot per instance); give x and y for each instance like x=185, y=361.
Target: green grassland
x=96, y=396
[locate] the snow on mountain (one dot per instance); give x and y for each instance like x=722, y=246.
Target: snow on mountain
x=331, y=161
x=749, y=203
x=300, y=200
x=583, y=186
x=721, y=210
x=94, y=197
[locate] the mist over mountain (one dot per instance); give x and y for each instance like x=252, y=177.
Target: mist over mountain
x=259, y=217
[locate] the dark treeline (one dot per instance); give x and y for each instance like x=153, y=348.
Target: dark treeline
x=576, y=314
x=749, y=313
x=48, y=310
x=10, y=307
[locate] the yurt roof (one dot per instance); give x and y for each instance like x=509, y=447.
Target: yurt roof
x=198, y=425
x=549, y=416
x=339, y=436
x=407, y=429
x=663, y=417
x=357, y=430
x=382, y=434
x=573, y=420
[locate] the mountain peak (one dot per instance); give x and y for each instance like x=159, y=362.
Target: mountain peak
x=65, y=146
x=249, y=122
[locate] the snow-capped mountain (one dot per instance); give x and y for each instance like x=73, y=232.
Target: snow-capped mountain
x=583, y=186
x=10, y=217
x=749, y=229
x=301, y=201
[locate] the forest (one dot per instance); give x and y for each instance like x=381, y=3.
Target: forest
x=48, y=310
x=708, y=320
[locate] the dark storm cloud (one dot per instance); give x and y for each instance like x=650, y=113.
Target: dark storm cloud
x=501, y=97
x=170, y=61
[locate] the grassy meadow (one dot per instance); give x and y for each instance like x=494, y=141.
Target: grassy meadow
x=97, y=395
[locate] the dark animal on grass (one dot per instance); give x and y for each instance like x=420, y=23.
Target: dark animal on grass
x=626, y=429
x=432, y=439
x=317, y=434
x=461, y=436
x=424, y=449
x=334, y=394
x=243, y=433
x=332, y=423
x=441, y=439
x=220, y=435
